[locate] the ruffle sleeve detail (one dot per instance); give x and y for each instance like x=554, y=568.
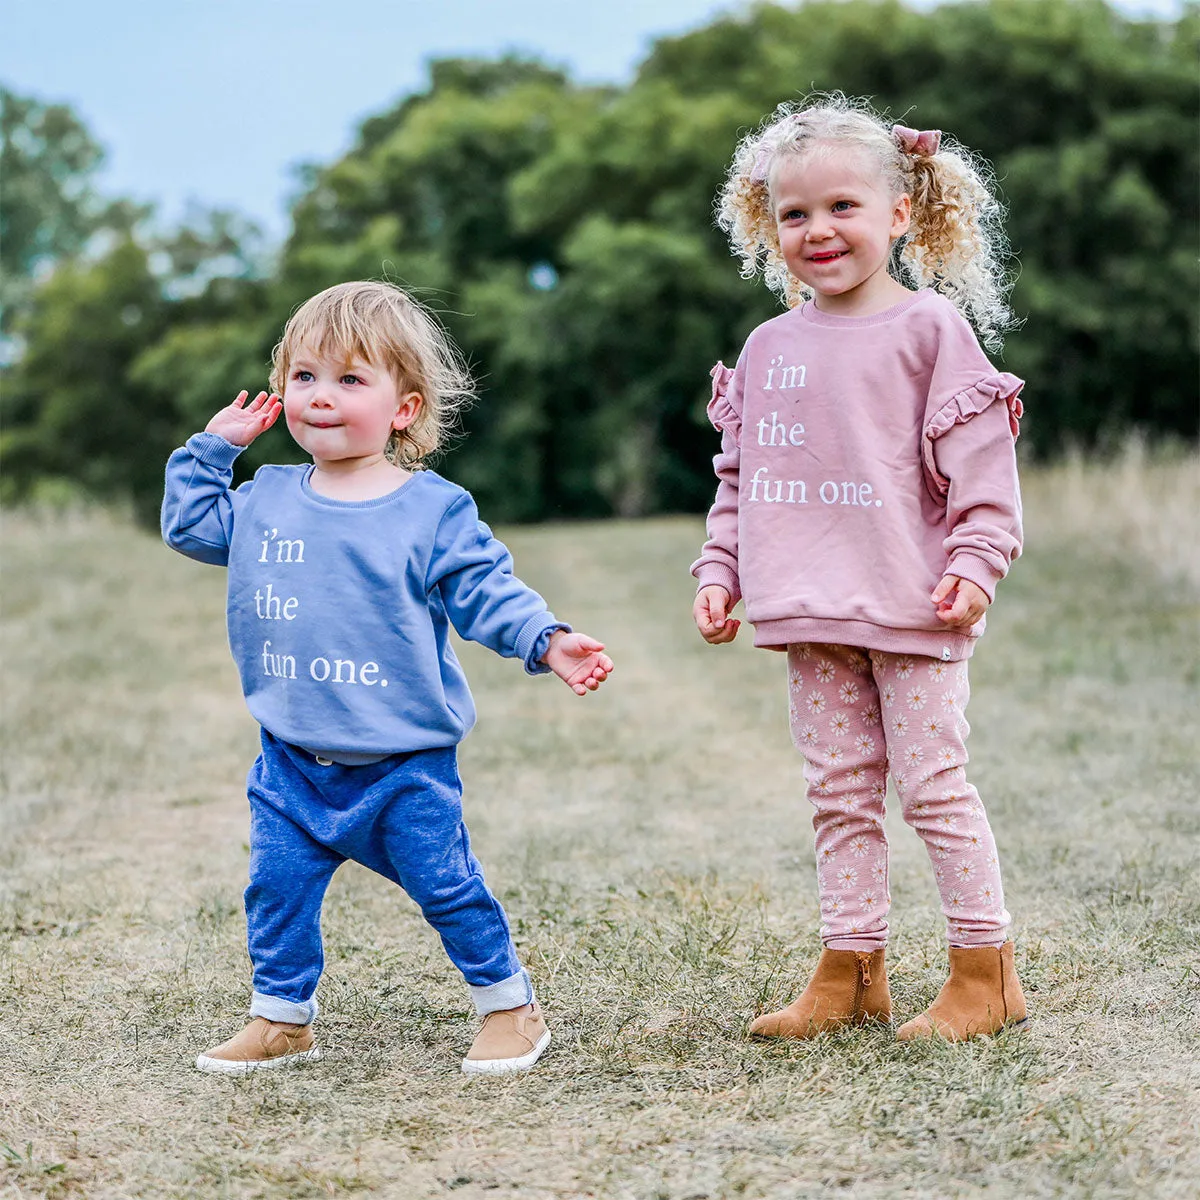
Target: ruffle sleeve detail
x=720, y=411
x=960, y=408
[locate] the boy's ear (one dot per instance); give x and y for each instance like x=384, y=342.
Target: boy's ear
x=901, y=215
x=407, y=408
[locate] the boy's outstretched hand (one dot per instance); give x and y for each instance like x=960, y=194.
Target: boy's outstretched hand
x=240, y=423
x=578, y=660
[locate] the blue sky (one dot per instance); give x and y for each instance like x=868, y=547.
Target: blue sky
x=213, y=101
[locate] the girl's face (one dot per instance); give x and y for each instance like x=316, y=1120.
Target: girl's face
x=343, y=413
x=837, y=222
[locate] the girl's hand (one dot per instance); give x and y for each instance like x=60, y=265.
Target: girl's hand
x=241, y=425
x=578, y=661
x=960, y=603
x=711, y=614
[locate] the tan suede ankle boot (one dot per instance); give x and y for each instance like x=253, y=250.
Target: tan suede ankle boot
x=982, y=996
x=847, y=988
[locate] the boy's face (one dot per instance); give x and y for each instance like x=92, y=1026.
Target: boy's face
x=340, y=411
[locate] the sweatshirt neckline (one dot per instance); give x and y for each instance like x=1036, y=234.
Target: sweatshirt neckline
x=810, y=312
x=310, y=493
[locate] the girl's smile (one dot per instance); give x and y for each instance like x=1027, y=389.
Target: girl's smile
x=836, y=225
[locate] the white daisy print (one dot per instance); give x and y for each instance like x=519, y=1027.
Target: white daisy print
x=900, y=724
x=868, y=899
x=847, y=877
x=848, y=692
x=887, y=693
x=917, y=698
x=904, y=667
x=945, y=757
x=947, y=821
x=825, y=671
x=857, y=662
x=879, y=791
x=964, y=872
x=857, y=776
x=987, y=895
x=807, y=736
x=859, y=846
x=815, y=703
x=974, y=839
x=839, y=724
x=940, y=849
x=822, y=786
x=933, y=727
x=801, y=651
x=938, y=671
x=864, y=744
x=835, y=754
x=870, y=715
x=974, y=809
x=913, y=754
x=950, y=702
x=795, y=678
x=832, y=906
x=956, y=901
x=920, y=809
x=879, y=871
x=827, y=856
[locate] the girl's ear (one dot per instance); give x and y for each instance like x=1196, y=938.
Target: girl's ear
x=407, y=408
x=901, y=215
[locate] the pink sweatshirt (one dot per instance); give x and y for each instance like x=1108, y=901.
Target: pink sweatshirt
x=862, y=458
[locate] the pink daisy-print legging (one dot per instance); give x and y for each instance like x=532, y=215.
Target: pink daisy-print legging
x=854, y=714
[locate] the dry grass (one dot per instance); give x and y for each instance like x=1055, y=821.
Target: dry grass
x=652, y=846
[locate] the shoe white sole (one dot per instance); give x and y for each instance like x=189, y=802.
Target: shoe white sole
x=230, y=1066
x=506, y=1066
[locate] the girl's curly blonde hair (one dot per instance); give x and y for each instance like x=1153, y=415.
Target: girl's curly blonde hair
x=384, y=326
x=955, y=243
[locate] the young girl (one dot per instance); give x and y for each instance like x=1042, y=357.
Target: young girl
x=345, y=578
x=867, y=508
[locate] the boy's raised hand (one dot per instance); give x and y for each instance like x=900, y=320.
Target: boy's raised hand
x=578, y=660
x=240, y=423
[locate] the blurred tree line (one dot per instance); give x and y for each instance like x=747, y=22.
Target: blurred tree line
x=564, y=234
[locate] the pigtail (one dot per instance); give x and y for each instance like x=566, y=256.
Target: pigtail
x=956, y=244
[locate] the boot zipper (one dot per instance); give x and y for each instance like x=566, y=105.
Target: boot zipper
x=863, y=982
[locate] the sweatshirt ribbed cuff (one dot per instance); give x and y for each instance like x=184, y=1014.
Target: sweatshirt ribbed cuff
x=212, y=449
x=718, y=575
x=534, y=640
x=978, y=570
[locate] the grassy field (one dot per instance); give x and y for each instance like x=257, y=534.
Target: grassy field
x=653, y=849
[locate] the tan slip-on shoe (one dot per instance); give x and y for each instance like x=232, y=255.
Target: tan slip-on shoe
x=982, y=996
x=262, y=1044
x=849, y=987
x=511, y=1039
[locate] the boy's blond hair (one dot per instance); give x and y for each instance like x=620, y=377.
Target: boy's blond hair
x=383, y=325
x=955, y=244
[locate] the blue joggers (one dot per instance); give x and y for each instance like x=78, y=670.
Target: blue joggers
x=402, y=817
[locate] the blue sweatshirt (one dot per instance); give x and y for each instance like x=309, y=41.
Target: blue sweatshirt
x=339, y=612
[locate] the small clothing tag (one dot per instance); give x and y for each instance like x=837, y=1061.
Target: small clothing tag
x=945, y=654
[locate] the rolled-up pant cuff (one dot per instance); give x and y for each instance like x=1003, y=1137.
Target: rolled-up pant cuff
x=287, y=1012
x=508, y=993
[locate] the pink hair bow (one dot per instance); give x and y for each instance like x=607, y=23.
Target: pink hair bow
x=924, y=142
